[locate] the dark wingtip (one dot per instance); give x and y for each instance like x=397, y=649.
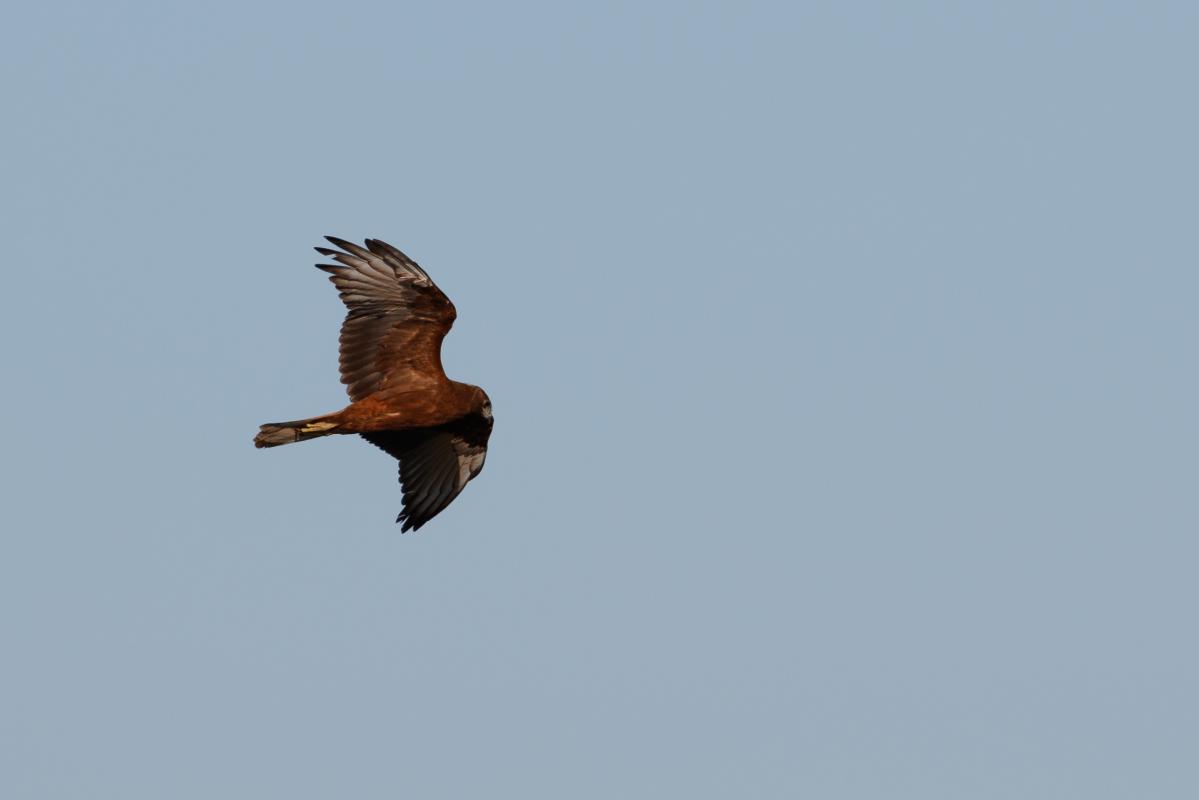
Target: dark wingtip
x=342, y=243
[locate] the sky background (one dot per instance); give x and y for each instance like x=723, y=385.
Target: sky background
x=843, y=362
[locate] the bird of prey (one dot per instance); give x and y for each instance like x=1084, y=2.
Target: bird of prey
x=401, y=400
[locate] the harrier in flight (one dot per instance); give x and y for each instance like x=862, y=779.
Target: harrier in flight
x=401, y=400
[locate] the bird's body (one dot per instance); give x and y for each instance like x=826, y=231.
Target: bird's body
x=402, y=401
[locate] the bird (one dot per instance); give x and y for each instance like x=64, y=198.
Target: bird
x=400, y=398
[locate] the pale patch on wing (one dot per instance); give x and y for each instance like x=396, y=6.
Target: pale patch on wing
x=469, y=465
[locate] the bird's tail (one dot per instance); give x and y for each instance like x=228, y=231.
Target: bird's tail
x=274, y=434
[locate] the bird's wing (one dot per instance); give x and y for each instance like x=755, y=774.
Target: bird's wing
x=396, y=320
x=435, y=464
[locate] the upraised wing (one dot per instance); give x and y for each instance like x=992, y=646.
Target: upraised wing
x=396, y=321
x=435, y=464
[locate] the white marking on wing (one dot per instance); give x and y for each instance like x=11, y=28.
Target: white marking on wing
x=469, y=466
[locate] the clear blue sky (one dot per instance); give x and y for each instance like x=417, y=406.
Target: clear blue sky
x=843, y=361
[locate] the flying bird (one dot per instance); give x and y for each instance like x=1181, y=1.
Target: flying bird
x=401, y=400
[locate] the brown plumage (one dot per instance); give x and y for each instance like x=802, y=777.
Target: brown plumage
x=402, y=401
